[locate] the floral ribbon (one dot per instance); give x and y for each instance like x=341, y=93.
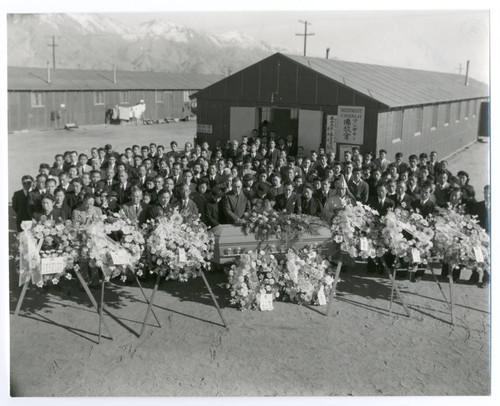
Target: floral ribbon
x=101, y=245
x=29, y=257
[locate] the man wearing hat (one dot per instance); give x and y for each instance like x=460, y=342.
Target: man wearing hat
x=261, y=194
x=248, y=188
x=20, y=201
x=109, y=152
x=109, y=202
x=212, y=215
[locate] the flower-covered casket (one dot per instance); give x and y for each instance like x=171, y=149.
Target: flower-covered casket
x=231, y=242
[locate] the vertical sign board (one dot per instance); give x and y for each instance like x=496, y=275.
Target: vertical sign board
x=350, y=124
x=331, y=133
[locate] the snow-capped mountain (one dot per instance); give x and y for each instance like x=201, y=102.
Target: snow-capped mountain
x=95, y=41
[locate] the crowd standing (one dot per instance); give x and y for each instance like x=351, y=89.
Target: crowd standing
x=220, y=185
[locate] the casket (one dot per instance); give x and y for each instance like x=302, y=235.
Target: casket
x=230, y=243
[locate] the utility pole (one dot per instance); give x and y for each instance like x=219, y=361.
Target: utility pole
x=305, y=35
x=53, y=45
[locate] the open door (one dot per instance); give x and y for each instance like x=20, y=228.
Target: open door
x=242, y=122
x=310, y=130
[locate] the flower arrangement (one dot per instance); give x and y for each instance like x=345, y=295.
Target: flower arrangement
x=254, y=272
x=404, y=231
x=177, y=246
x=48, y=239
x=267, y=223
x=306, y=275
x=456, y=237
x=114, y=244
x=357, y=230
x=58, y=240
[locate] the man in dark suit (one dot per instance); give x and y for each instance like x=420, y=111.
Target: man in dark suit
x=36, y=194
x=288, y=201
x=381, y=203
x=20, y=201
x=273, y=153
x=290, y=146
x=309, y=204
x=184, y=203
x=325, y=192
x=162, y=207
x=213, y=212
x=58, y=166
x=358, y=187
x=74, y=196
x=123, y=189
x=235, y=203
x=403, y=199
x=424, y=205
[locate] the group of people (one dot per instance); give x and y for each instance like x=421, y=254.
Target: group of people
x=220, y=185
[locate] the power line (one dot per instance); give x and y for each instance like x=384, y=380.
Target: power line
x=305, y=35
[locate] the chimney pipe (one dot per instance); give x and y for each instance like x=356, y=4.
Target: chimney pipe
x=48, y=72
x=467, y=74
x=114, y=73
x=327, y=52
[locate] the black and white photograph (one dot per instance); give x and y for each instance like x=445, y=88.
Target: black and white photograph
x=221, y=202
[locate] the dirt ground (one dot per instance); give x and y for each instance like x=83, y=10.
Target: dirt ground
x=292, y=351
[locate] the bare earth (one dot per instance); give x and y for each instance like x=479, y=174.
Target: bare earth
x=292, y=351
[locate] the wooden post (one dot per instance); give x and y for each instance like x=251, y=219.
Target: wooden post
x=450, y=283
x=150, y=304
x=440, y=288
x=398, y=293
x=101, y=309
x=89, y=294
x=332, y=294
x=21, y=298
x=392, y=287
x=146, y=298
x=213, y=299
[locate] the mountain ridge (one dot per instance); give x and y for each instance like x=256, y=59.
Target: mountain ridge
x=95, y=41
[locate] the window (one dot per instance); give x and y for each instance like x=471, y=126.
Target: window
x=447, y=115
x=98, y=97
x=459, y=112
x=434, y=122
x=418, y=115
x=397, y=125
x=159, y=96
x=125, y=97
x=474, y=107
x=37, y=99
x=467, y=106
x=186, y=96
x=294, y=114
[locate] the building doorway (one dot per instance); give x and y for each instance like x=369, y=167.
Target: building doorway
x=283, y=121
